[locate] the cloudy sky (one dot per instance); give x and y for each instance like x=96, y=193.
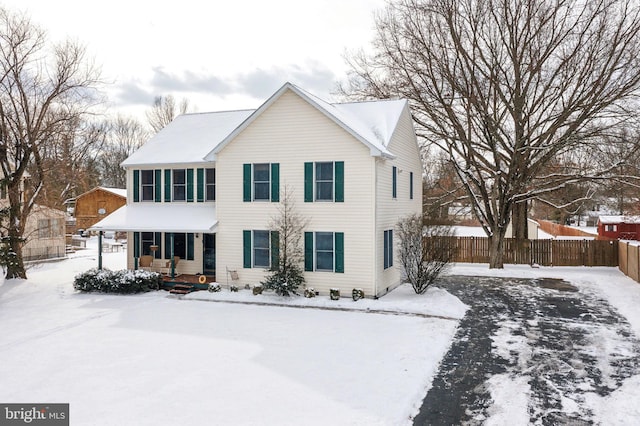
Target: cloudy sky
x=219, y=55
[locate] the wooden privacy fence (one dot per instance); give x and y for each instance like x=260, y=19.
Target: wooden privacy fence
x=541, y=252
x=629, y=259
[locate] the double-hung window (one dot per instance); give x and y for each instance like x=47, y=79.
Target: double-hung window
x=324, y=181
x=260, y=249
x=147, y=185
x=210, y=184
x=261, y=182
x=324, y=251
x=388, y=249
x=179, y=185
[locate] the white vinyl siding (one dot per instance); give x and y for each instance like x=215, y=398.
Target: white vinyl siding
x=292, y=132
x=389, y=210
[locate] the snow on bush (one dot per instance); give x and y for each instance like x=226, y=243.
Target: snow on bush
x=123, y=281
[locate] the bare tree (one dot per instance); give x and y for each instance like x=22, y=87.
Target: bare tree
x=40, y=95
x=125, y=135
x=287, y=229
x=67, y=161
x=424, y=252
x=164, y=110
x=503, y=87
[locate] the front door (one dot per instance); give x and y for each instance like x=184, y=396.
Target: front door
x=209, y=256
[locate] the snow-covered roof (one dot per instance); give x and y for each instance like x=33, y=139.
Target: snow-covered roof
x=618, y=219
x=372, y=123
x=161, y=217
x=194, y=138
x=118, y=191
x=188, y=138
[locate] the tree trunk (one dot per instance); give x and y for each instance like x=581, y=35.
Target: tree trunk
x=15, y=264
x=496, y=251
x=519, y=222
x=14, y=239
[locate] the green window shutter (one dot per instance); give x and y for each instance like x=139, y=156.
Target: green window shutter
x=308, y=251
x=339, y=171
x=275, y=250
x=200, y=184
x=136, y=186
x=167, y=187
x=157, y=190
x=308, y=182
x=339, y=251
x=189, y=185
x=190, y=246
x=246, y=249
x=157, y=240
x=275, y=182
x=136, y=244
x=246, y=182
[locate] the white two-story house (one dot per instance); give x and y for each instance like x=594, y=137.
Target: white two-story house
x=206, y=187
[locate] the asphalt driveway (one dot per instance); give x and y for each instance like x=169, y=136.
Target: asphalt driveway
x=563, y=343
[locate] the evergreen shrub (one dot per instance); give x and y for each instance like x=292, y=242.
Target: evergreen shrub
x=121, y=282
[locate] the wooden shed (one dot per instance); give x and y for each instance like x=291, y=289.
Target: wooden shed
x=619, y=227
x=95, y=205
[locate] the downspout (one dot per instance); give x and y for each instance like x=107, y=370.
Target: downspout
x=375, y=226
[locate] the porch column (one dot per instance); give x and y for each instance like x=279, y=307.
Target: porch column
x=173, y=261
x=100, y=250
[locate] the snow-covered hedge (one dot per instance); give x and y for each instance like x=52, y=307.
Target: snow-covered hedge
x=123, y=281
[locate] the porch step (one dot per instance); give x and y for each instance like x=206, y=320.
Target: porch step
x=182, y=289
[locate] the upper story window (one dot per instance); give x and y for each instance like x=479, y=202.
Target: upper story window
x=261, y=182
x=324, y=181
x=210, y=184
x=147, y=185
x=179, y=185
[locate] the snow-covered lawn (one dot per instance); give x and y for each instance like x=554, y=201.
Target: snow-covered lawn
x=152, y=359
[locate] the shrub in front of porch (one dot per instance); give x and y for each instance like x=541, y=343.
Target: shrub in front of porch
x=121, y=282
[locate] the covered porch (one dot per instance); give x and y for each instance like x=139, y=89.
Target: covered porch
x=176, y=240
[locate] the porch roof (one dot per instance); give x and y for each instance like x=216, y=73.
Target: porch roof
x=161, y=217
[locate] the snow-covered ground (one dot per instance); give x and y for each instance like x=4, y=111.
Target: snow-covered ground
x=153, y=359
